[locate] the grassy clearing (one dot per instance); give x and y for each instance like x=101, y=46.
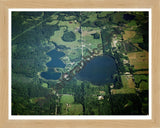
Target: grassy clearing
x=67, y=99
x=68, y=108
x=123, y=91
x=79, y=82
x=74, y=54
x=72, y=45
x=45, y=85
x=88, y=40
x=90, y=30
x=35, y=100
x=71, y=26
x=52, y=23
x=128, y=34
x=76, y=109
x=69, y=17
x=103, y=93
x=58, y=34
x=141, y=72
x=72, y=109
x=127, y=81
x=84, y=33
x=54, y=17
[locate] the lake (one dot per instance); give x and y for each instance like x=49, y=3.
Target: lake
x=99, y=70
x=54, y=63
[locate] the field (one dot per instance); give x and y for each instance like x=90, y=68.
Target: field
x=139, y=60
x=127, y=81
x=72, y=109
x=141, y=72
x=67, y=99
x=129, y=35
x=123, y=91
x=88, y=40
x=68, y=107
x=128, y=85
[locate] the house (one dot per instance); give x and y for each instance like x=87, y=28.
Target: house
x=100, y=97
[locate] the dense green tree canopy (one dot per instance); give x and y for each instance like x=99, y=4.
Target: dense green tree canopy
x=69, y=36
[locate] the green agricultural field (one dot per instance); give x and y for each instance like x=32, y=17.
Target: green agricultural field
x=72, y=109
x=128, y=85
x=67, y=99
x=68, y=107
x=127, y=81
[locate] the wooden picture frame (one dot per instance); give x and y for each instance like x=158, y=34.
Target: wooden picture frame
x=4, y=64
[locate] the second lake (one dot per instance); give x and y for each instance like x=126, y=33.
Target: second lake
x=99, y=70
x=54, y=63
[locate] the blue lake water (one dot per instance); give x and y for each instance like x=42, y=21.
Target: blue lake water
x=99, y=70
x=54, y=63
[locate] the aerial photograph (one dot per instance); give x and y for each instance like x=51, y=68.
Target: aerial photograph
x=80, y=63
